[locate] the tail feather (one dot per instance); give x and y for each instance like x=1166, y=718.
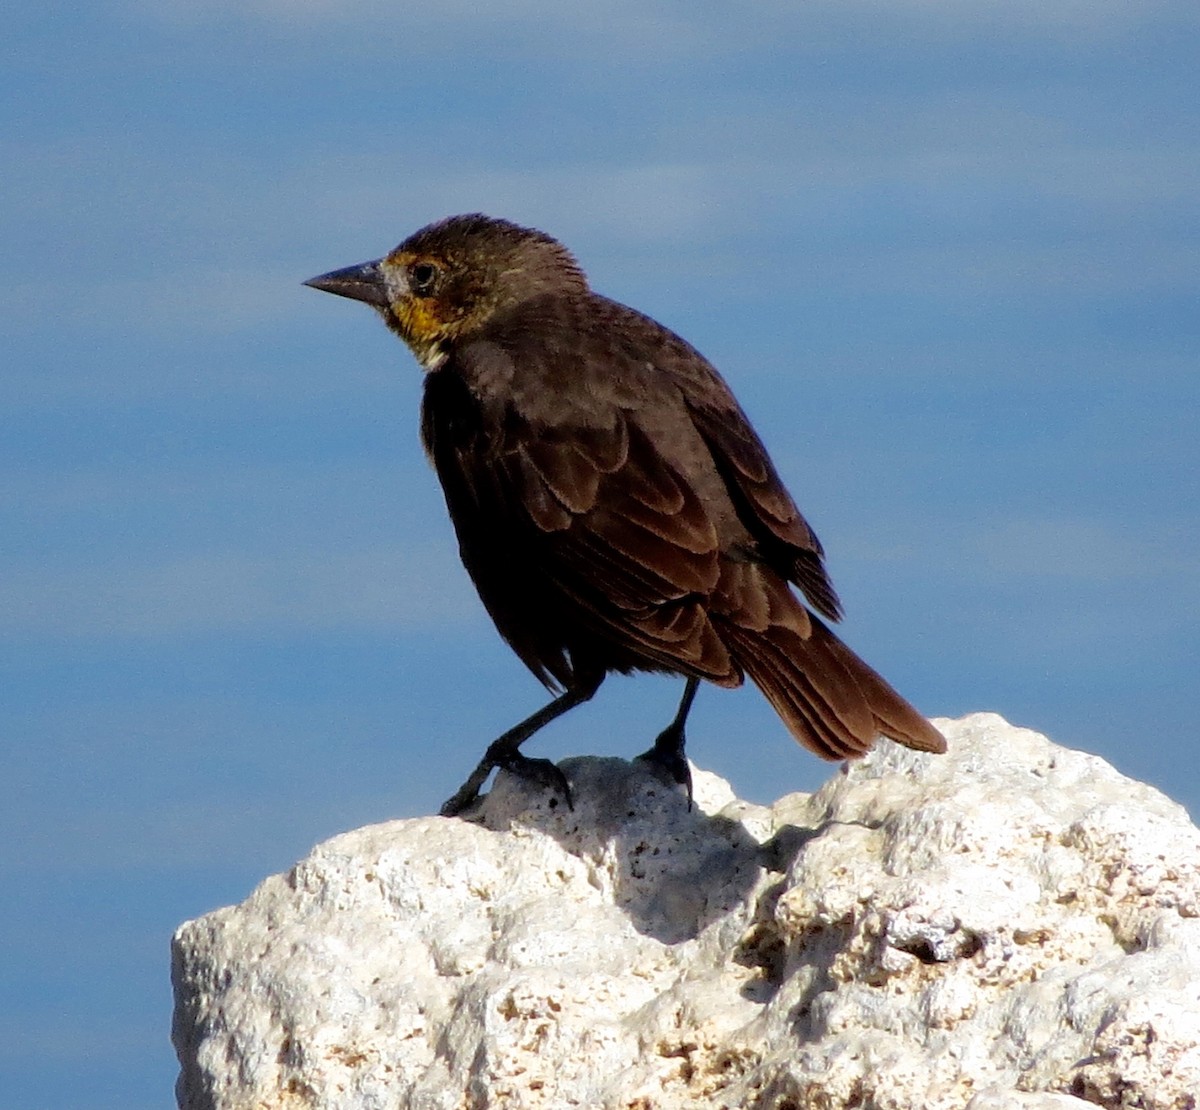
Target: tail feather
x=894, y=717
x=831, y=701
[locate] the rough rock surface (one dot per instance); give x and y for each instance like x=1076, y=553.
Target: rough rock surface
x=1012, y=926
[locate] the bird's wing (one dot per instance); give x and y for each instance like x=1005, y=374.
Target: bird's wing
x=625, y=451
x=766, y=508
x=624, y=536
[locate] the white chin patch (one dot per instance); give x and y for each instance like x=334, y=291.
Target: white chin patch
x=396, y=282
x=431, y=358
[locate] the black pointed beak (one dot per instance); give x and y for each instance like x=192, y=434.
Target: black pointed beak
x=359, y=283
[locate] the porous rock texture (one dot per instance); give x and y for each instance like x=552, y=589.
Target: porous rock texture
x=1011, y=926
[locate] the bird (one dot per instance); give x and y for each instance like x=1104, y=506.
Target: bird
x=613, y=505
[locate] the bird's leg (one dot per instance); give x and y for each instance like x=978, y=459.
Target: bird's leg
x=505, y=752
x=667, y=752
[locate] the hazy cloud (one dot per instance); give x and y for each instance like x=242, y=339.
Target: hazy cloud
x=677, y=23
x=399, y=589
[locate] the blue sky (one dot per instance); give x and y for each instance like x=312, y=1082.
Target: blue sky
x=946, y=254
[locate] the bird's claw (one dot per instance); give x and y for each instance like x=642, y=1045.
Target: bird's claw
x=462, y=800
x=539, y=772
x=667, y=755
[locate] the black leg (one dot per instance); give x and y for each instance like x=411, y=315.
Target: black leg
x=505, y=752
x=668, y=748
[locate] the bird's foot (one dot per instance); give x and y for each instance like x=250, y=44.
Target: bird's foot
x=467, y=795
x=538, y=772
x=667, y=754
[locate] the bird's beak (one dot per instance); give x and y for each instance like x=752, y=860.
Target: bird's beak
x=364, y=282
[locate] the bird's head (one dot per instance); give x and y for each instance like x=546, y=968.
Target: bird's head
x=444, y=283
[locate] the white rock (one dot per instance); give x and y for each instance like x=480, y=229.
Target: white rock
x=1011, y=926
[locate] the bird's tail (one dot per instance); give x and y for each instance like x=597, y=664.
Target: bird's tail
x=830, y=700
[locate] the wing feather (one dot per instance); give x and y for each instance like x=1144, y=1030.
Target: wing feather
x=624, y=536
x=762, y=500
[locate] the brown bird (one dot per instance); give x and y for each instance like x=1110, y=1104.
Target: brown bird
x=614, y=507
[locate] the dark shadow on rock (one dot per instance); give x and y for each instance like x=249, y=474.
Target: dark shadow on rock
x=193, y=1086
x=763, y=947
x=780, y=851
x=673, y=870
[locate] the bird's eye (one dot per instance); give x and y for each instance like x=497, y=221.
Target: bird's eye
x=424, y=278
